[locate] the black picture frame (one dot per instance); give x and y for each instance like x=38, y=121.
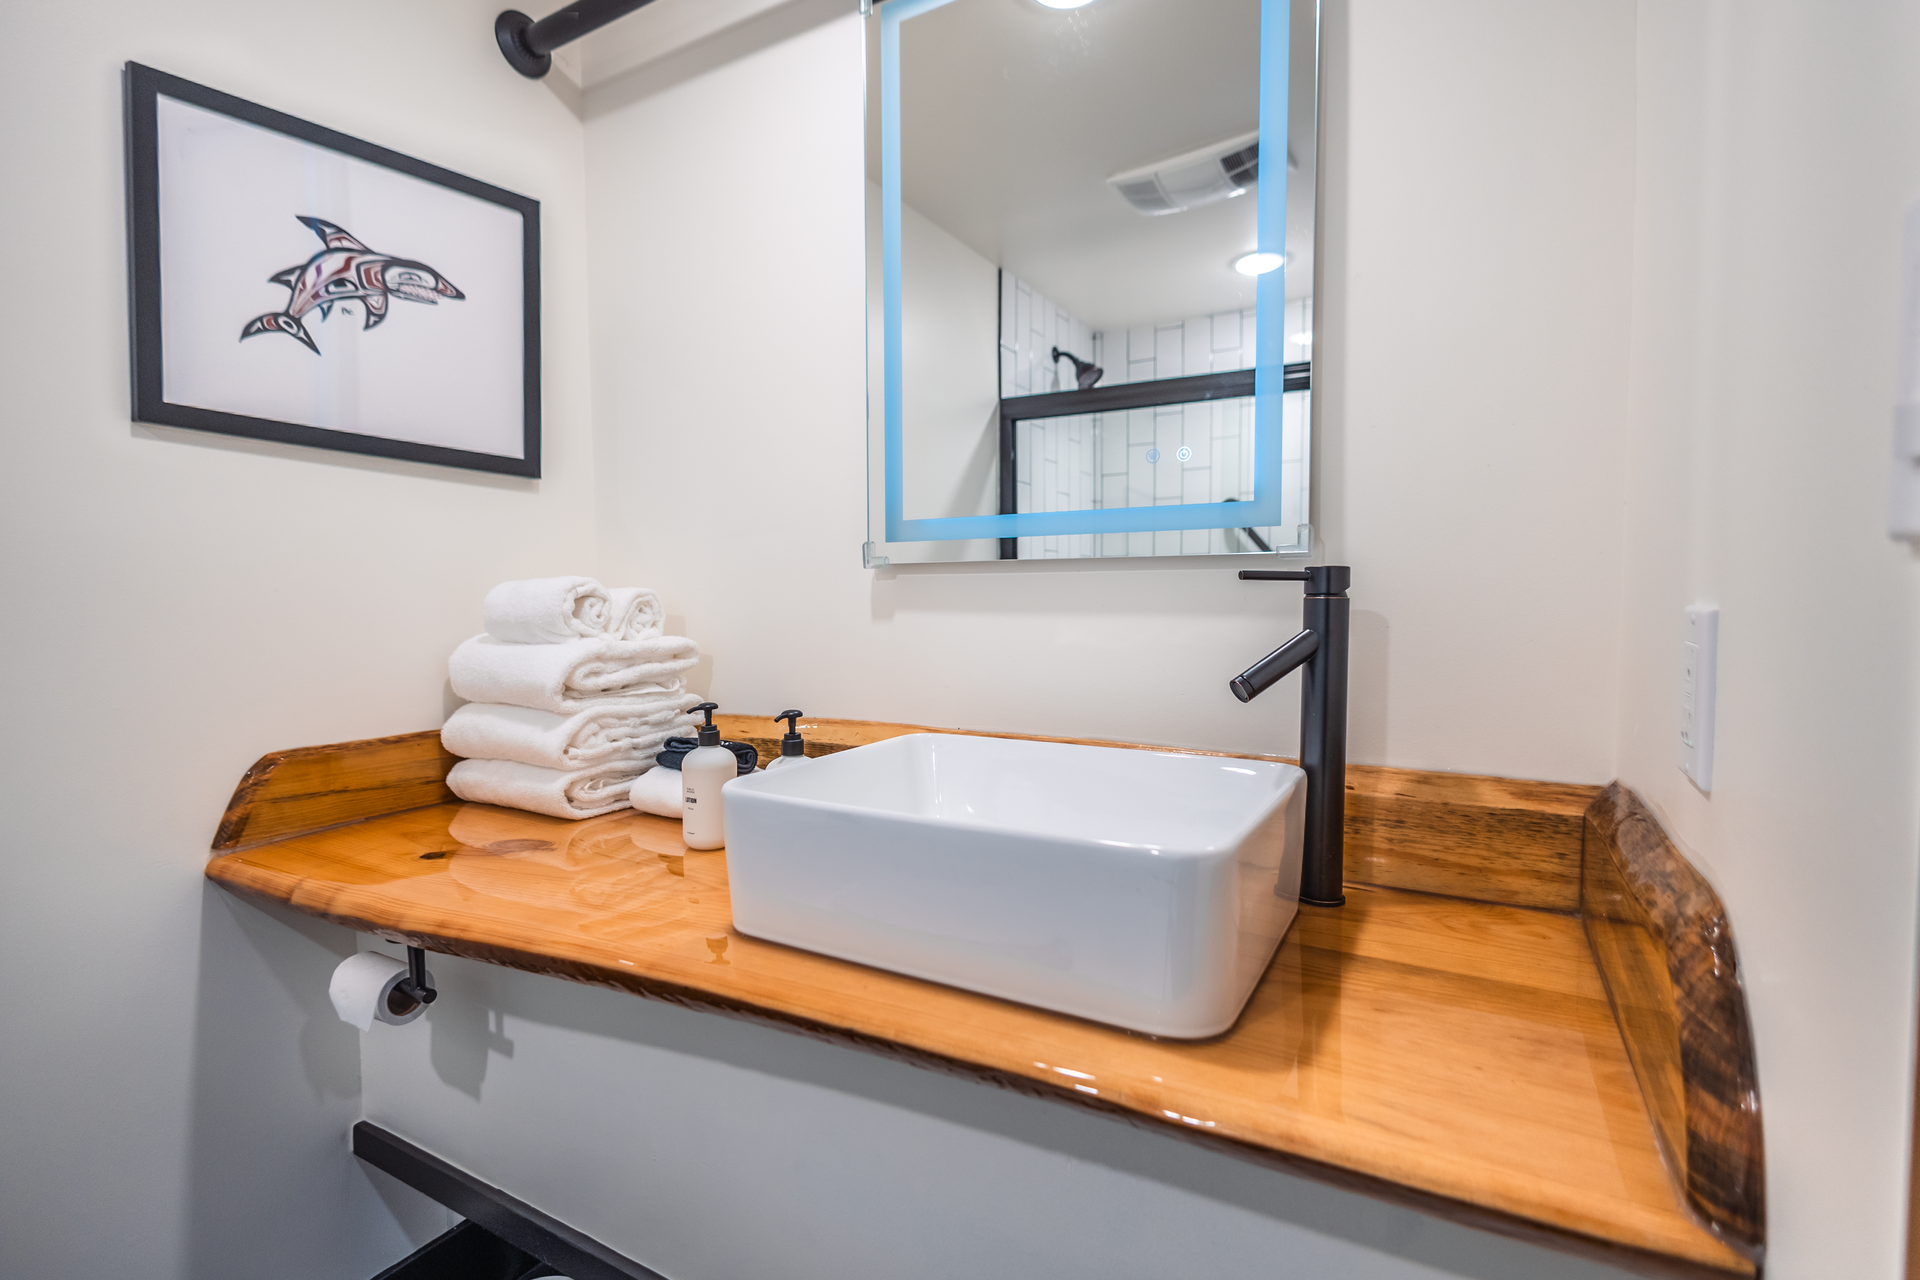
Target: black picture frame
x=143, y=86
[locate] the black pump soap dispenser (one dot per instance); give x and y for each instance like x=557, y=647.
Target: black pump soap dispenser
x=793, y=748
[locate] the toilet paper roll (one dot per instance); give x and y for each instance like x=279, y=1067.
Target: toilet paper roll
x=363, y=991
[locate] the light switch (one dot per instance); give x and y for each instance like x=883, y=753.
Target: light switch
x=1697, y=650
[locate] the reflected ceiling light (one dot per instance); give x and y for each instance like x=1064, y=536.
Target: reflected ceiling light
x=1065, y=4
x=1304, y=338
x=1259, y=262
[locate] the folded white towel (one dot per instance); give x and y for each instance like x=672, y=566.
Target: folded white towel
x=629, y=729
x=581, y=793
x=565, y=678
x=634, y=613
x=546, y=610
x=659, y=791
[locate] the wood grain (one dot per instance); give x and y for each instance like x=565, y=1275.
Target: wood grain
x=1491, y=839
x=289, y=793
x=1467, y=836
x=1455, y=1055
x=1665, y=949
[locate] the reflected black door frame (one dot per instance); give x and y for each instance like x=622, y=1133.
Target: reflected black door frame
x=1156, y=393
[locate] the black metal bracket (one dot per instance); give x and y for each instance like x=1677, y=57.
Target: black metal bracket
x=565, y=1248
x=414, y=986
x=1322, y=649
x=529, y=45
x=468, y=1252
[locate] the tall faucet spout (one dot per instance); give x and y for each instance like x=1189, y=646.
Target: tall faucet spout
x=1322, y=650
x=1267, y=672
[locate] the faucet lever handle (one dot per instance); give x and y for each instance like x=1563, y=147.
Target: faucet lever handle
x=1321, y=579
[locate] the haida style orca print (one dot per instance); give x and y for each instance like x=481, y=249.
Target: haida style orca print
x=347, y=271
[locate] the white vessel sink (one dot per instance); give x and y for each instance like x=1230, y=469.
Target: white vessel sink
x=1141, y=888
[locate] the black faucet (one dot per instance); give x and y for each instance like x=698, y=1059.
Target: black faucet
x=1322, y=647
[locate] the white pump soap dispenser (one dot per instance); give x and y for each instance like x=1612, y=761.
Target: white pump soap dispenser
x=706, y=769
x=793, y=747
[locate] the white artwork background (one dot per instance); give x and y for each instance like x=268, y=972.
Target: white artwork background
x=230, y=194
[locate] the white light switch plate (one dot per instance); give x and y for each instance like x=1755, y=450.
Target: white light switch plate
x=1698, y=660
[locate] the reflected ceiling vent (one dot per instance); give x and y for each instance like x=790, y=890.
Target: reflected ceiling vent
x=1187, y=181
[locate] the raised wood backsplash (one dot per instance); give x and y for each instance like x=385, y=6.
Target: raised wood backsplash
x=1665, y=948
x=289, y=793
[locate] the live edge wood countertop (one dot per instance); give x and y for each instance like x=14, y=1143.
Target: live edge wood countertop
x=1444, y=1040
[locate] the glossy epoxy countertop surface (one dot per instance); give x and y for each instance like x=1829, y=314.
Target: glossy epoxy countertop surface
x=1458, y=1050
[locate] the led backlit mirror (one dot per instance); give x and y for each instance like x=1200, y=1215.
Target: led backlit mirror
x=1090, y=277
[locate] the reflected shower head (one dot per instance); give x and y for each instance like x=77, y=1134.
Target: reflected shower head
x=1085, y=372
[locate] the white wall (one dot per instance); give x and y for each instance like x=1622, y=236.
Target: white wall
x=174, y=1089
x=1779, y=143
x=1469, y=337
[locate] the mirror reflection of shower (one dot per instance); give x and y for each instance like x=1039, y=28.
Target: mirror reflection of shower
x=1116, y=453
x=1086, y=374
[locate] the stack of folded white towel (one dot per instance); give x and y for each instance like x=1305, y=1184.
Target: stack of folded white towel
x=571, y=692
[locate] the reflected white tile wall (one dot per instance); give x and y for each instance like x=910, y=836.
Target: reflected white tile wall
x=1135, y=458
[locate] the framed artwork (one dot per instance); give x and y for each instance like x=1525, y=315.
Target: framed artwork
x=292, y=283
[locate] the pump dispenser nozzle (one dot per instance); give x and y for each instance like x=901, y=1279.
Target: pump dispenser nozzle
x=793, y=747
x=792, y=744
x=709, y=732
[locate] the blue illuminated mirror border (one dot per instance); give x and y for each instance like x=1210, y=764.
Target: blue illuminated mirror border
x=1265, y=509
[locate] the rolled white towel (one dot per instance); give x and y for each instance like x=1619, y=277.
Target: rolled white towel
x=546, y=610
x=628, y=729
x=565, y=678
x=634, y=613
x=580, y=793
x=659, y=791
x=662, y=791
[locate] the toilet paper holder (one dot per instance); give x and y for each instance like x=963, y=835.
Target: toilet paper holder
x=415, y=985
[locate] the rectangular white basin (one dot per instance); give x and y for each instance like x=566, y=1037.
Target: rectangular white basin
x=1141, y=888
